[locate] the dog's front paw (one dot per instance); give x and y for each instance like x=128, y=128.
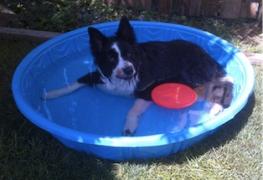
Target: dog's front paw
x=127, y=132
x=134, y=115
x=130, y=126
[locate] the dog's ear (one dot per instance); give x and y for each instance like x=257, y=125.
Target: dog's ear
x=97, y=40
x=125, y=31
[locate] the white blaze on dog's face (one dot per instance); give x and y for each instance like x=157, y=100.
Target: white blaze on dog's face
x=123, y=78
x=117, y=58
x=125, y=68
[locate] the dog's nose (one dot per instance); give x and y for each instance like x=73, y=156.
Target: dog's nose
x=128, y=70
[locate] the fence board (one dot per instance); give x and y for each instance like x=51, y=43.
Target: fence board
x=209, y=8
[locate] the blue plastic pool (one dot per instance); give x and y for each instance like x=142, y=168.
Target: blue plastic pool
x=92, y=121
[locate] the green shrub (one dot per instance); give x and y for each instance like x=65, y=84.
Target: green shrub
x=64, y=15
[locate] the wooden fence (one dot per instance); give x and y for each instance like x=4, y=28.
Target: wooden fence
x=208, y=8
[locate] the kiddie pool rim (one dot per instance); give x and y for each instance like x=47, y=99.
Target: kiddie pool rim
x=122, y=141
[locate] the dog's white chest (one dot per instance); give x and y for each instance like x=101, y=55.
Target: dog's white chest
x=118, y=86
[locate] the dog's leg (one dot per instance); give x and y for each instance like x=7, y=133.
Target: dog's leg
x=215, y=109
x=134, y=114
x=214, y=96
x=89, y=79
x=228, y=84
x=62, y=91
x=222, y=91
x=219, y=95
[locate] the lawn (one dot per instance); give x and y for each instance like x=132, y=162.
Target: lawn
x=27, y=152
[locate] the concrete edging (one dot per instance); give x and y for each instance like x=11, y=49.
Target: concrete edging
x=13, y=33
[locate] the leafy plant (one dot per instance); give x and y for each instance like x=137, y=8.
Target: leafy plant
x=64, y=15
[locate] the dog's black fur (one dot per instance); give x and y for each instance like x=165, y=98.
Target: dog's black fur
x=155, y=62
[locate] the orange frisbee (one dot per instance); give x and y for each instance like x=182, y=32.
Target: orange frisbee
x=173, y=95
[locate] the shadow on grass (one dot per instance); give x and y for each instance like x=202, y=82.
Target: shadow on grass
x=221, y=136
x=30, y=153
x=26, y=152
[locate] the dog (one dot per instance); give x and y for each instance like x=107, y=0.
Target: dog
x=126, y=67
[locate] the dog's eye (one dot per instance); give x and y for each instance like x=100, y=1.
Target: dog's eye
x=112, y=57
x=129, y=55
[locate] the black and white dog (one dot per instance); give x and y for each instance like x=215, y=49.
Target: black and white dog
x=130, y=68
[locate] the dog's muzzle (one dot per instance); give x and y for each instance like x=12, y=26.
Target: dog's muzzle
x=126, y=73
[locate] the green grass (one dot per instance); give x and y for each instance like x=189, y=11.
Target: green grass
x=26, y=152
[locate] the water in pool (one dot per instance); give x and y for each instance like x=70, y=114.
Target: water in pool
x=93, y=111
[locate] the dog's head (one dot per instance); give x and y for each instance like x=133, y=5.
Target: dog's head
x=115, y=57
